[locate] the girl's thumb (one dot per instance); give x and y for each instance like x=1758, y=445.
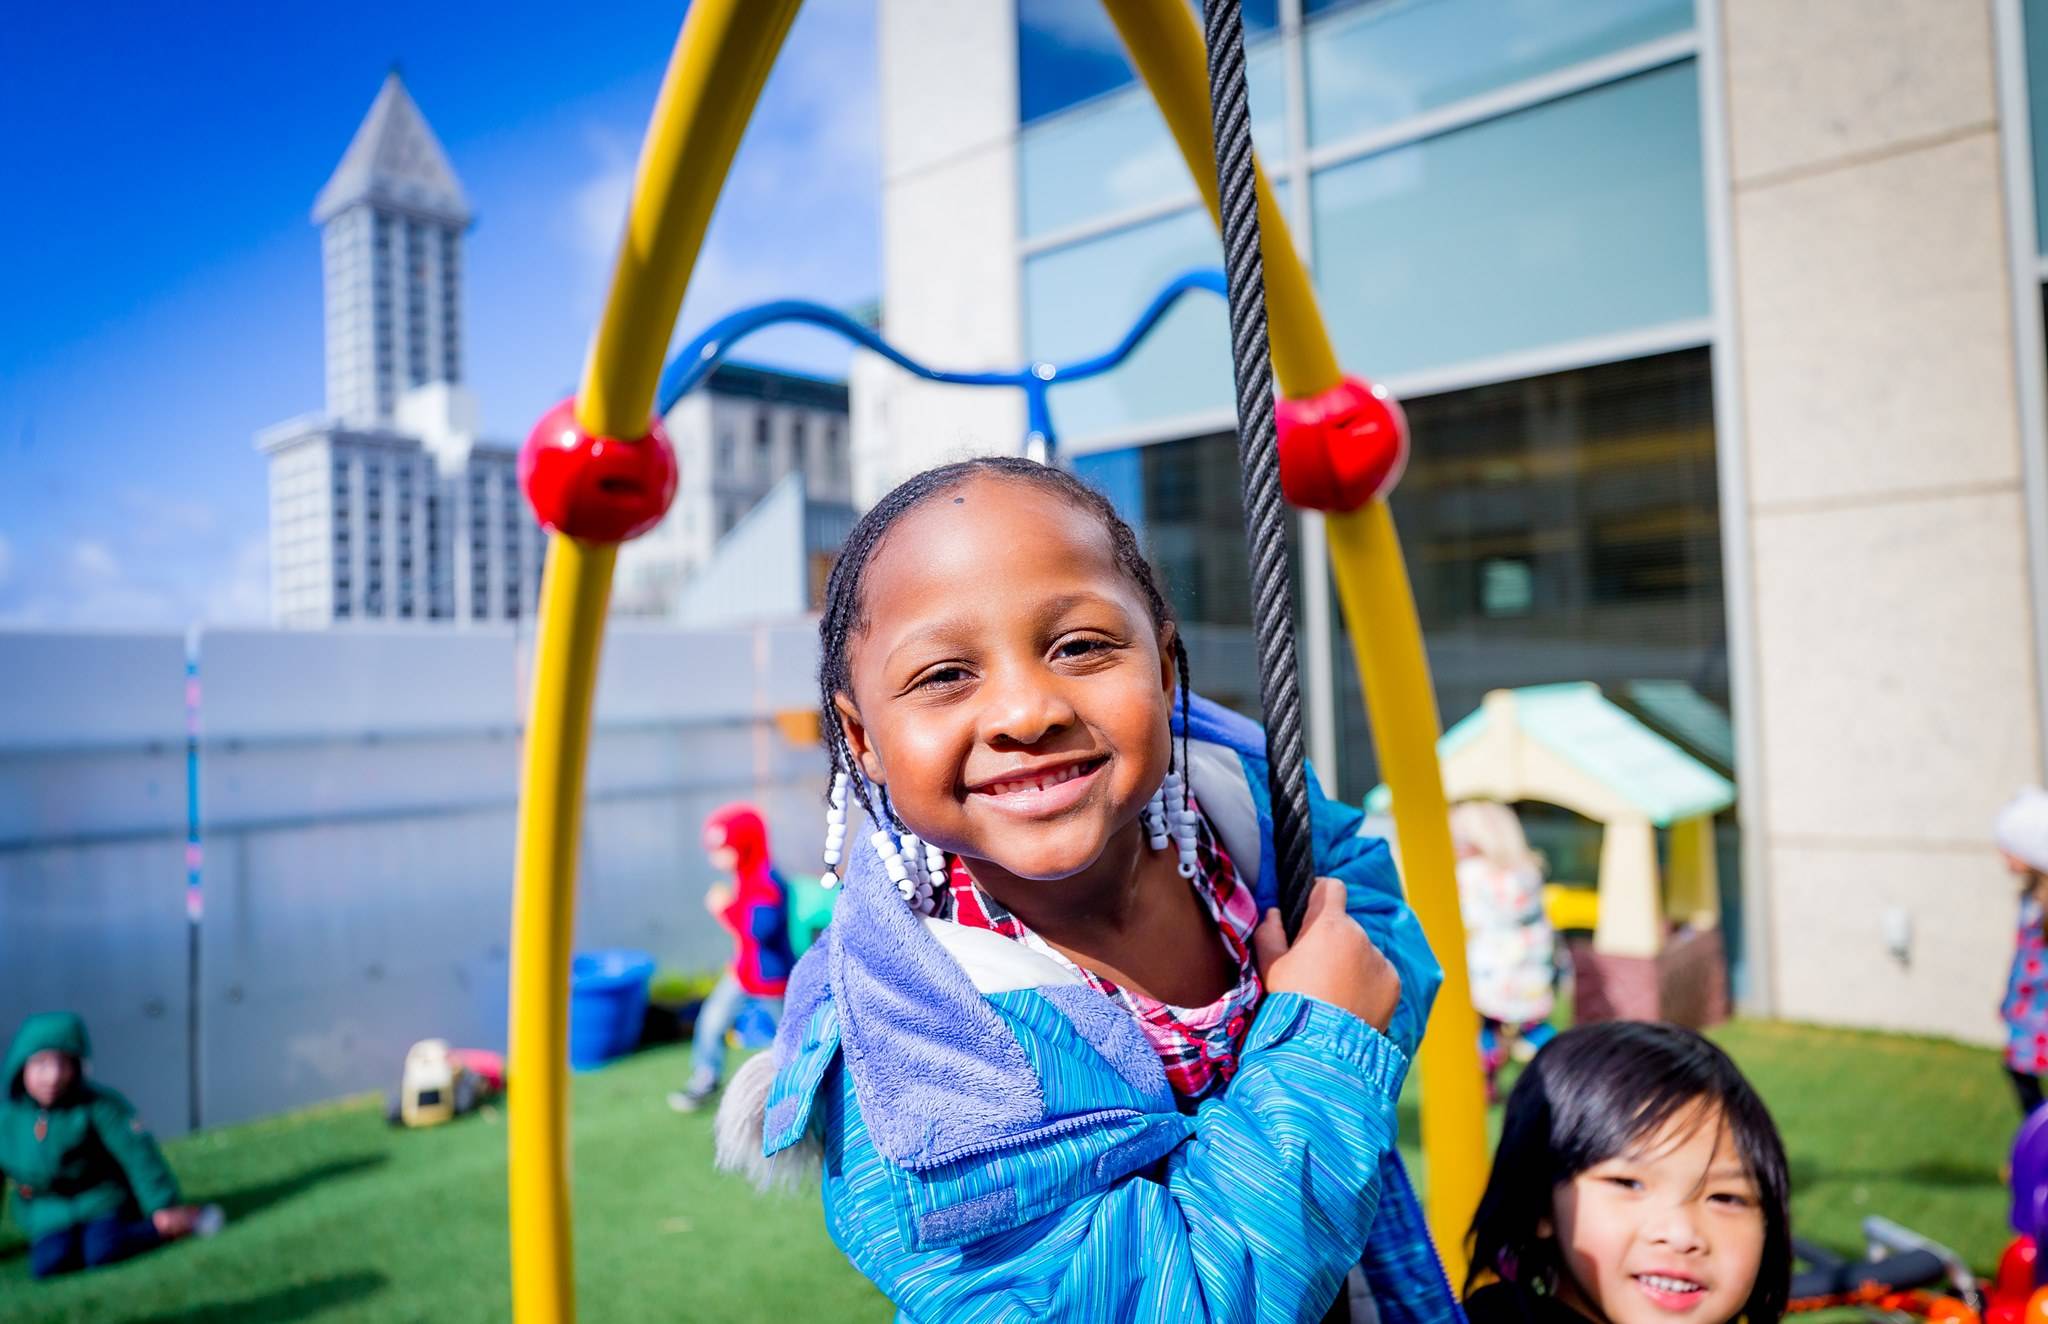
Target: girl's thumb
x=1269, y=941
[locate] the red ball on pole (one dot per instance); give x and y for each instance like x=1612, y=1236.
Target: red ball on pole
x=1342, y=447
x=596, y=489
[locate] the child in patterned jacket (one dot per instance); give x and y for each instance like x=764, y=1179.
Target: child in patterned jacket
x=1055, y=1055
x=2021, y=832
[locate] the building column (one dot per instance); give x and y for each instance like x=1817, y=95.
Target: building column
x=949, y=205
x=1881, y=506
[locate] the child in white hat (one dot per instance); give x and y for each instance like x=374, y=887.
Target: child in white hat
x=2021, y=832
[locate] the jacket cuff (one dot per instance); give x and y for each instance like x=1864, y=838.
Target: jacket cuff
x=1329, y=1032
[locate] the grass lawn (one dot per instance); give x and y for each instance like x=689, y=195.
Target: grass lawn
x=336, y=1217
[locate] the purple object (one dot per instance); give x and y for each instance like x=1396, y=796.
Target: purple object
x=2030, y=1177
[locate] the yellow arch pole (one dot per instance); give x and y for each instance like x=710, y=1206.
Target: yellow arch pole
x=714, y=78
x=715, y=75
x=1379, y=610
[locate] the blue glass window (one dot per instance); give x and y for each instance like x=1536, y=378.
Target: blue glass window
x=2035, y=21
x=1579, y=218
x=1383, y=63
x=1068, y=52
x=1116, y=154
x=1189, y=519
x=1596, y=492
x=1079, y=300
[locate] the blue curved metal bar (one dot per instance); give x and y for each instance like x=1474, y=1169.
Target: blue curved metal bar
x=710, y=347
x=1201, y=278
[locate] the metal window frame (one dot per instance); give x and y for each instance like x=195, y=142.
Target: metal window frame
x=2030, y=368
x=1731, y=452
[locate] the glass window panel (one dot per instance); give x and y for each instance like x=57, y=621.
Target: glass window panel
x=1183, y=500
x=1120, y=476
x=1079, y=301
x=1116, y=155
x=1379, y=64
x=1582, y=217
x=1559, y=528
x=1068, y=51
x=2034, y=20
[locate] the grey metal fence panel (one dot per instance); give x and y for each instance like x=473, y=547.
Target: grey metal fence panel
x=331, y=947
x=92, y=852
x=358, y=798
x=358, y=794
x=684, y=724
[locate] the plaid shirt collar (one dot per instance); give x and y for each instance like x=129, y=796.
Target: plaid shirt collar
x=1198, y=1046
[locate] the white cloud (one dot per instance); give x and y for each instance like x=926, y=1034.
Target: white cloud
x=131, y=579
x=93, y=561
x=159, y=517
x=797, y=216
x=243, y=598
x=597, y=213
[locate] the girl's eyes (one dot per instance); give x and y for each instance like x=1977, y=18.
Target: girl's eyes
x=1725, y=1199
x=940, y=677
x=950, y=674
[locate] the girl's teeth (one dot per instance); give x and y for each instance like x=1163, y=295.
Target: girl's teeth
x=1036, y=783
x=1664, y=1284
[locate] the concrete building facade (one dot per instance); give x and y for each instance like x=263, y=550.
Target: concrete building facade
x=737, y=436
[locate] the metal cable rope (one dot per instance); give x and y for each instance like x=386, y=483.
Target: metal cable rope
x=1265, y=511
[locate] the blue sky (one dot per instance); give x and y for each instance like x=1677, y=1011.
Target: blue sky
x=163, y=292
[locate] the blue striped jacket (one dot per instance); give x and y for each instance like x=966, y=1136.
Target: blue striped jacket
x=999, y=1141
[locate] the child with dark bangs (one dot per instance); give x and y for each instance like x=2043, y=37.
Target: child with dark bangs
x=1639, y=1180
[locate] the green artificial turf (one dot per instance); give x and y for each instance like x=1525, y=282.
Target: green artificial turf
x=336, y=1217
x=1918, y=1130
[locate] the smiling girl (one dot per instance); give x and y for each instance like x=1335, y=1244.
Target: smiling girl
x=1054, y=1053
x=1639, y=1180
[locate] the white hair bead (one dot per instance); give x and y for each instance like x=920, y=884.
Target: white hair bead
x=835, y=830
x=1183, y=822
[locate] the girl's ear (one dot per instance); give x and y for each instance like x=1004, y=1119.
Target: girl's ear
x=1545, y=1229
x=857, y=740
x=1169, y=676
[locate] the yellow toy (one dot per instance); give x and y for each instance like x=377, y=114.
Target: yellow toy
x=440, y=1084
x=426, y=1091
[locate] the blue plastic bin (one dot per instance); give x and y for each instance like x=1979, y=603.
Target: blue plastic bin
x=607, y=1002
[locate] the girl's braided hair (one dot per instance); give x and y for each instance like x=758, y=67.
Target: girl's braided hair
x=843, y=613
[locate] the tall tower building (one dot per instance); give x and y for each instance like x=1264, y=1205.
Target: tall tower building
x=392, y=218
x=388, y=507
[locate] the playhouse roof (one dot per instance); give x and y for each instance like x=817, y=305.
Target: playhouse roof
x=1571, y=735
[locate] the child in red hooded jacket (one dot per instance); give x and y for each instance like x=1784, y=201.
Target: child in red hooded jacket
x=755, y=907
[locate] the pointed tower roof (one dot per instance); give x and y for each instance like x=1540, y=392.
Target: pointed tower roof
x=395, y=161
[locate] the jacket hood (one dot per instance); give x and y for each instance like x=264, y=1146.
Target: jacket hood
x=740, y=829
x=61, y=1031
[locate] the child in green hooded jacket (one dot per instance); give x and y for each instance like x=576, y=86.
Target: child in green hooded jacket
x=90, y=1185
